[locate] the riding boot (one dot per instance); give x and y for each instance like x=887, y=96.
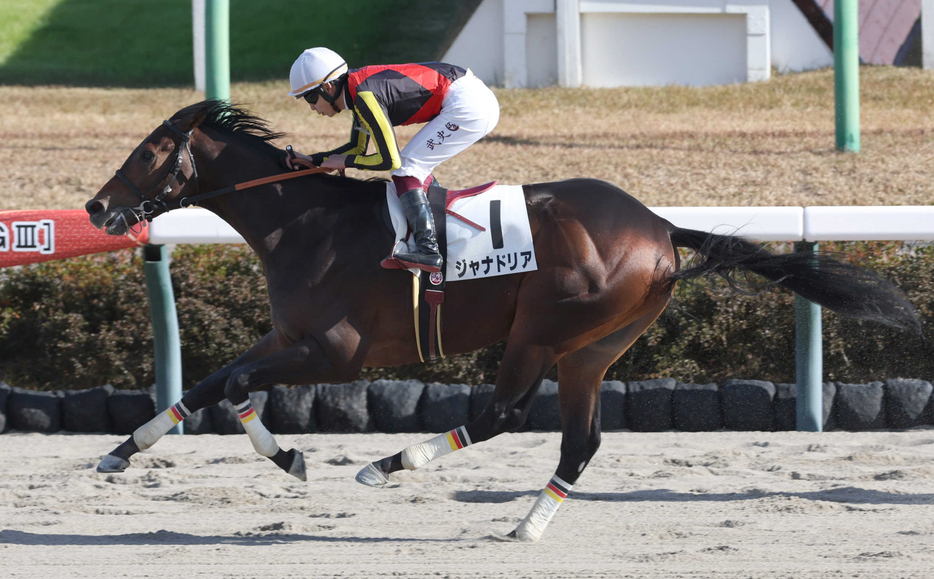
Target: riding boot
x=418, y=214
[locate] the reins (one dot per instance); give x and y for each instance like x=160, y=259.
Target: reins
x=195, y=199
x=147, y=208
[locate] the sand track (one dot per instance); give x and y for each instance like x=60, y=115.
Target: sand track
x=724, y=504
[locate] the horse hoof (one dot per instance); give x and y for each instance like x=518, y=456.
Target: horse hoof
x=111, y=463
x=512, y=537
x=371, y=476
x=298, y=465
x=518, y=536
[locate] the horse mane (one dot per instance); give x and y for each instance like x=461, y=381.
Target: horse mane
x=234, y=119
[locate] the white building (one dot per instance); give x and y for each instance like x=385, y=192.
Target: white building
x=604, y=43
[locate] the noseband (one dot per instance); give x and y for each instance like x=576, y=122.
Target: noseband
x=147, y=208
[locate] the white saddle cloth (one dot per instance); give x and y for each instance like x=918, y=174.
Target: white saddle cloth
x=502, y=248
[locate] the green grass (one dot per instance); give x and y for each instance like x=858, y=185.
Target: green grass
x=19, y=19
x=136, y=43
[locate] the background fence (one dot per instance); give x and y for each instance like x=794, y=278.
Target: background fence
x=36, y=232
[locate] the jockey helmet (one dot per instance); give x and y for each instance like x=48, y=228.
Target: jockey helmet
x=314, y=67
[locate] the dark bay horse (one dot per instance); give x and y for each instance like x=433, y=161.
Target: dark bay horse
x=607, y=267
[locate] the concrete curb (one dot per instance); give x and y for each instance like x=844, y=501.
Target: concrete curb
x=411, y=406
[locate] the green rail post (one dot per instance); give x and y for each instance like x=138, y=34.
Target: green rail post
x=809, y=361
x=168, y=350
x=846, y=73
x=217, y=49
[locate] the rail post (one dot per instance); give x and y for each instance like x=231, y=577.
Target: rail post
x=197, y=42
x=217, y=49
x=809, y=361
x=165, y=335
x=846, y=73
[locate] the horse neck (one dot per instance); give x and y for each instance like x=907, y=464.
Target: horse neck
x=261, y=215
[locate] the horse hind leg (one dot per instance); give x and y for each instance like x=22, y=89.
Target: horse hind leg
x=580, y=375
x=521, y=373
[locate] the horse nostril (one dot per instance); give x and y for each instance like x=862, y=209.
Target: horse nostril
x=94, y=206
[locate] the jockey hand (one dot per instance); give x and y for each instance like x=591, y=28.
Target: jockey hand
x=300, y=162
x=335, y=162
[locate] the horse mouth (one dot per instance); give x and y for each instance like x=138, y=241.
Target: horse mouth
x=116, y=224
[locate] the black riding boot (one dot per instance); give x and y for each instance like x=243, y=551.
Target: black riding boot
x=422, y=224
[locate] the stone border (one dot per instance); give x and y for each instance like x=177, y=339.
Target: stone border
x=411, y=406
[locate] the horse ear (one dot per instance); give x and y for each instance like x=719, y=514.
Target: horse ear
x=192, y=121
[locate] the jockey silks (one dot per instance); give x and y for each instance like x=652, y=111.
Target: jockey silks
x=385, y=96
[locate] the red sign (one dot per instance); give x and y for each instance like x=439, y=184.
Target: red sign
x=34, y=236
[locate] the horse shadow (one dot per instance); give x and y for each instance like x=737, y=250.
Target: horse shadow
x=848, y=495
x=162, y=537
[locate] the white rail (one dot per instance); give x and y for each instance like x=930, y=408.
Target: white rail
x=843, y=223
x=790, y=224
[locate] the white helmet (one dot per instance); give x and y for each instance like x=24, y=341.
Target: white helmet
x=313, y=68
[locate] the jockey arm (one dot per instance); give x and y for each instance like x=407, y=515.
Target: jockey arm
x=359, y=140
x=374, y=121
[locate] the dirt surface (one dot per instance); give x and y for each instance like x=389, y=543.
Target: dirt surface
x=769, y=143
x=689, y=505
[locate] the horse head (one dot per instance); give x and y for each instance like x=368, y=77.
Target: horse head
x=161, y=169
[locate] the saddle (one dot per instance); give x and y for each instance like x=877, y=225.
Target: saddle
x=428, y=289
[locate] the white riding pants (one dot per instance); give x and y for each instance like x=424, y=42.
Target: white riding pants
x=469, y=112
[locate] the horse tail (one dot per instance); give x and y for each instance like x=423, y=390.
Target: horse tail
x=843, y=288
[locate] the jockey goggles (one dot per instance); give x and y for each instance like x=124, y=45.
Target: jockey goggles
x=311, y=96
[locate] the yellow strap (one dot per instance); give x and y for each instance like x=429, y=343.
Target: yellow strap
x=418, y=341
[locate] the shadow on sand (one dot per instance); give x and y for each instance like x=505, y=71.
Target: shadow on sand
x=848, y=494
x=162, y=537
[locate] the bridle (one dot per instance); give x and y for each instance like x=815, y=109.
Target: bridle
x=148, y=208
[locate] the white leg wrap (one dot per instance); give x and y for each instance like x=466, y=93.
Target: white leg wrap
x=545, y=507
x=150, y=433
x=263, y=441
x=418, y=455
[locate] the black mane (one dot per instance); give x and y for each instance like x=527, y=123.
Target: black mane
x=236, y=120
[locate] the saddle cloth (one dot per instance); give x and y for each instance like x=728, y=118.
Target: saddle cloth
x=488, y=232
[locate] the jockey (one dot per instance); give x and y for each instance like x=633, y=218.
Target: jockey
x=456, y=106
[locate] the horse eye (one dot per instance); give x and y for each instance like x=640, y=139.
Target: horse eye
x=147, y=156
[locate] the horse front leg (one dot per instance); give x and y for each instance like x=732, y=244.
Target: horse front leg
x=206, y=393
x=304, y=362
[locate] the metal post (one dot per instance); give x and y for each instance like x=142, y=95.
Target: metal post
x=927, y=34
x=846, y=73
x=809, y=361
x=217, y=49
x=165, y=334
x=197, y=33
x=569, y=42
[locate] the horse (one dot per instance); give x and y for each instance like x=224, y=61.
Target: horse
x=607, y=267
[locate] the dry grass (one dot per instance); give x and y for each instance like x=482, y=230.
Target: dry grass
x=768, y=143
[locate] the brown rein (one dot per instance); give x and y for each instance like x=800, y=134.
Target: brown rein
x=194, y=199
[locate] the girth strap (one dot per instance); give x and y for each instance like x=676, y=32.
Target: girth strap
x=431, y=285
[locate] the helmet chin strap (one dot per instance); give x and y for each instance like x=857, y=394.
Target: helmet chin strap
x=340, y=83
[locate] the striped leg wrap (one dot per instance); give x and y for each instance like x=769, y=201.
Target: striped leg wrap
x=263, y=441
x=148, y=434
x=545, y=507
x=419, y=455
